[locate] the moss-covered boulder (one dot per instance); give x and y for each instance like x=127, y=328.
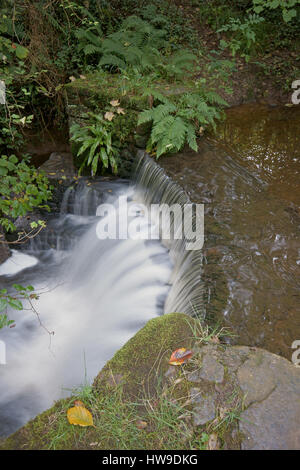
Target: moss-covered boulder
x=137, y=368
x=144, y=359
x=227, y=397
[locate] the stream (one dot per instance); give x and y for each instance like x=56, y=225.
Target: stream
x=248, y=177
x=95, y=294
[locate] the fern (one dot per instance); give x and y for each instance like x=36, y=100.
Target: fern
x=177, y=64
x=137, y=44
x=89, y=42
x=175, y=119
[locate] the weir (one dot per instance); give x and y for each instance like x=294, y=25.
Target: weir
x=93, y=294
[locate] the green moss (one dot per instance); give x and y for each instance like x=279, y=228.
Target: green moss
x=139, y=366
x=144, y=359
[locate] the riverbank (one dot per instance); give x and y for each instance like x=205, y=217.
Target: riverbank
x=223, y=398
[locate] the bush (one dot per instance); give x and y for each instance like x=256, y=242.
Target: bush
x=22, y=189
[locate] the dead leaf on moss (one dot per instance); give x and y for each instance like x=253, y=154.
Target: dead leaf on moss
x=79, y=415
x=120, y=111
x=180, y=356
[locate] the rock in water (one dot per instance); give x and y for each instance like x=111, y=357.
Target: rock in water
x=4, y=249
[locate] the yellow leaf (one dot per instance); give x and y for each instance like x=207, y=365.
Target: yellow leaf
x=141, y=424
x=79, y=415
x=120, y=111
x=115, y=102
x=109, y=116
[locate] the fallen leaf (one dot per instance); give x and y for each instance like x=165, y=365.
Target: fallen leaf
x=180, y=356
x=178, y=381
x=83, y=77
x=120, y=111
x=141, y=424
x=72, y=78
x=213, y=442
x=78, y=403
x=215, y=339
x=109, y=116
x=222, y=412
x=115, y=102
x=79, y=415
x=151, y=101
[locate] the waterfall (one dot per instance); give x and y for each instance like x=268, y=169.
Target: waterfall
x=94, y=294
x=187, y=288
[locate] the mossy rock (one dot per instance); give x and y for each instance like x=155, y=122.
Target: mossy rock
x=142, y=362
x=139, y=365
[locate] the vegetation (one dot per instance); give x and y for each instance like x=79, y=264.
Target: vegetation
x=15, y=301
x=95, y=140
x=160, y=67
x=134, y=404
x=141, y=43
x=22, y=189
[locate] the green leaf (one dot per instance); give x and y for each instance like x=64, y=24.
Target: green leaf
x=95, y=164
x=15, y=303
x=3, y=304
x=21, y=52
x=18, y=287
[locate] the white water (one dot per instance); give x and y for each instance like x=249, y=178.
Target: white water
x=17, y=262
x=95, y=294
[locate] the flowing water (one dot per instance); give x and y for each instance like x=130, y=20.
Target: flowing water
x=249, y=181
x=94, y=295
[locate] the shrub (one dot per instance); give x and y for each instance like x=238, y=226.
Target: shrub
x=22, y=189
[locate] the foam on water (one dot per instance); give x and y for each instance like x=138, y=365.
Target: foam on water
x=95, y=294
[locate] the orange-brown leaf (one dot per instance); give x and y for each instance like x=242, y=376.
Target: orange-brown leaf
x=78, y=403
x=141, y=424
x=180, y=356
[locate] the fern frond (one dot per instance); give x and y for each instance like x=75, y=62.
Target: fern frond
x=145, y=116
x=91, y=49
x=191, y=137
x=214, y=98
x=113, y=60
x=162, y=110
